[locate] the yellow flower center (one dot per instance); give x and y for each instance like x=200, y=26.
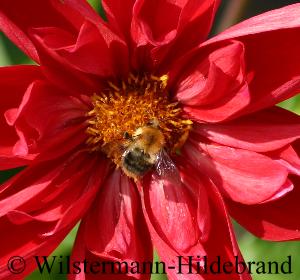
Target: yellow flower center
x=123, y=108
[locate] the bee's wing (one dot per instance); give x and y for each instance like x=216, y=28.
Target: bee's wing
x=166, y=169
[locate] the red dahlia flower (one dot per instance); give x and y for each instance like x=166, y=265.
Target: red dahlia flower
x=72, y=118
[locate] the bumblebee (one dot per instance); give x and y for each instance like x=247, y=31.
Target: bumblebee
x=143, y=151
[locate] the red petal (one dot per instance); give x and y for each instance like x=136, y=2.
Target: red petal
x=221, y=239
x=124, y=236
x=77, y=11
x=281, y=19
x=119, y=204
x=170, y=31
x=79, y=31
x=13, y=82
x=181, y=226
x=289, y=157
x=94, y=50
x=46, y=117
x=277, y=220
x=44, y=202
x=224, y=65
x=170, y=18
x=81, y=253
x=263, y=131
x=119, y=15
x=30, y=241
x=17, y=18
x=215, y=89
x=170, y=210
x=244, y=176
x=268, y=83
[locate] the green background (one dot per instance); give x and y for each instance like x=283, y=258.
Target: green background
x=252, y=248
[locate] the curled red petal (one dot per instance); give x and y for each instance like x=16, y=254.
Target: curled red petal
x=289, y=157
x=264, y=131
x=256, y=180
x=37, y=132
x=18, y=18
x=14, y=81
x=170, y=18
x=170, y=31
x=281, y=19
x=215, y=76
x=276, y=220
x=268, y=83
x=214, y=86
x=77, y=51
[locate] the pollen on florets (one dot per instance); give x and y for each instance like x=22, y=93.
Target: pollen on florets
x=124, y=107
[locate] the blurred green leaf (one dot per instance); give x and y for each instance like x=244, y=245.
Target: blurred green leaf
x=158, y=276
x=63, y=250
x=292, y=104
x=97, y=5
x=254, y=249
x=5, y=175
x=10, y=54
x=4, y=53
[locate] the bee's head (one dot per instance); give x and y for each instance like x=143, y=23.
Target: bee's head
x=154, y=123
x=126, y=135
